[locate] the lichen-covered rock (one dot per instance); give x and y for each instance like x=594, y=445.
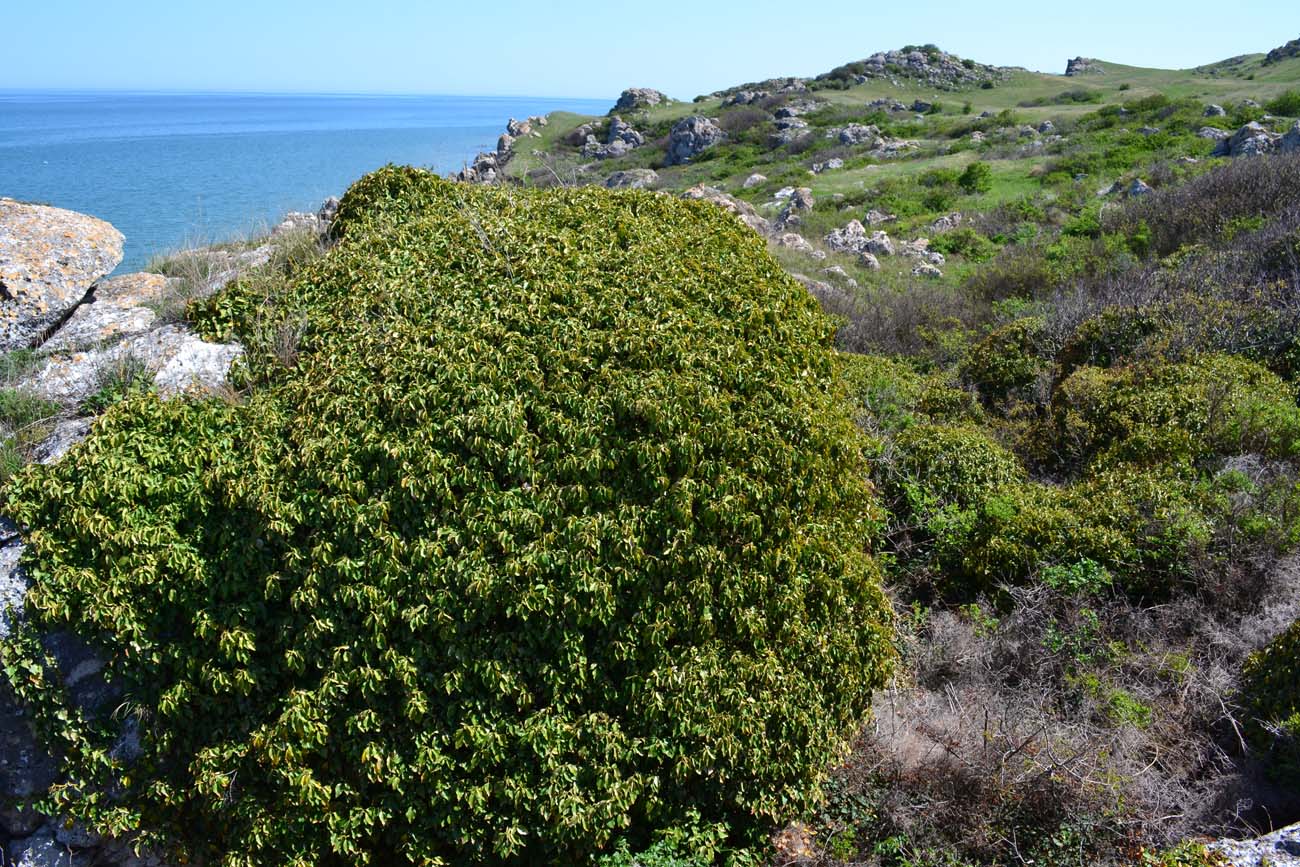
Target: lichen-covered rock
x=116, y=309
x=49, y=259
x=853, y=238
x=635, y=98
x=1253, y=139
x=743, y=210
x=632, y=179
x=179, y=361
x=690, y=136
x=1083, y=66
x=1214, y=110
x=1279, y=849
x=754, y=180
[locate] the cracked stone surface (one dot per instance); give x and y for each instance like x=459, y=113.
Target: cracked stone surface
x=49, y=259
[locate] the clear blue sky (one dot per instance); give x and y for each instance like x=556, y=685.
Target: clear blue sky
x=512, y=47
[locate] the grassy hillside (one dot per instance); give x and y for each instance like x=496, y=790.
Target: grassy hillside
x=1085, y=434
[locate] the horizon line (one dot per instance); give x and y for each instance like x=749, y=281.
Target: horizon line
x=187, y=91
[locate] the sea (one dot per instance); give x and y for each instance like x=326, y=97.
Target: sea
x=182, y=169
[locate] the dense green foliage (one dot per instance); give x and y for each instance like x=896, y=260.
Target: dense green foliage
x=550, y=531
x=1271, y=688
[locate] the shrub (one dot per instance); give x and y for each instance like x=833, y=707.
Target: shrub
x=554, y=529
x=1271, y=690
x=893, y=396
x=1010, y=358
x=1217, y=405
x=1286, y=104
x=953, y=465
x=976, y=178
x=964, y=242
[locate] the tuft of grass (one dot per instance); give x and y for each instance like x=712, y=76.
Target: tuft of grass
x=25, y=420
x=115, y=381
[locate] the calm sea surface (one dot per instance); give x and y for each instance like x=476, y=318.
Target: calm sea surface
x=176, y=169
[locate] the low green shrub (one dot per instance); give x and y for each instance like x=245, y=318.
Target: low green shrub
x=1271, y=692
x=1212, y=406
x=555, y=529
x=1010, y=358
x=976, y=178
x=964, y=242
x=1286, y=104
x=892, y=396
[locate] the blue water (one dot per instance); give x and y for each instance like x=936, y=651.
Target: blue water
x=170, y=170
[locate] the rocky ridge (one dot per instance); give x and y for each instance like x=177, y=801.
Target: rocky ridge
x=927, y=64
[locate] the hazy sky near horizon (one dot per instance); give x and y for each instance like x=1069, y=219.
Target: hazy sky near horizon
x=515, y=47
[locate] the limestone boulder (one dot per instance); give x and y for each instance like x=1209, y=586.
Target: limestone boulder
x=690, y=137
x=49, y=259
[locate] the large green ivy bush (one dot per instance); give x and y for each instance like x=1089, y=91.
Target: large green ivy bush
x=550, y=531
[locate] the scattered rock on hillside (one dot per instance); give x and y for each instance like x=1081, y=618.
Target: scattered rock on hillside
x=874, y=217
x=621, y=130
x=800, y=202
x=1213, y=110
x=1251, y=140
x=1290, y=143
x=754, y=180
x=1138, y=188
x=486, y=169
x=853, y=238
x=1083, y=66
x=632, y=179
x=918, y=248
x=1279, y=849
x=49, y=259
x=690, y=137
x=519, y=128
x=1046, y=127
x=828, y=166
x=838, y=274
x=622, y=138
x=925, y=269
x=746, y=97
x=859, y=134
x=920, y=106
x=1213, y=133
x=869, y=261
x=937, y=69
x=946, y=223
x=789, y=129
x=743, y=210
x=794, y=241
x=636, y=98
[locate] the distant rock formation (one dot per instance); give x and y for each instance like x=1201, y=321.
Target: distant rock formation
x=926, y=63
x=637, y=98
x=1083, y=66
x=1283, y=52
